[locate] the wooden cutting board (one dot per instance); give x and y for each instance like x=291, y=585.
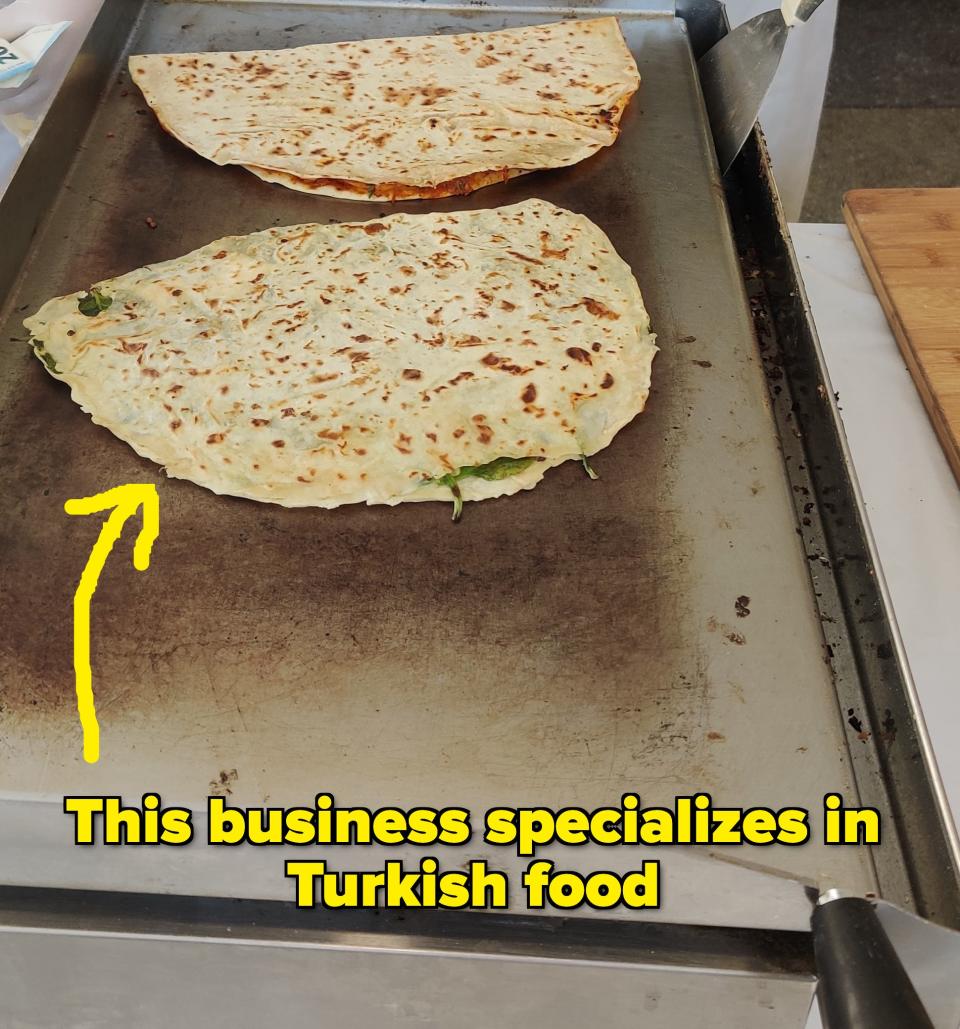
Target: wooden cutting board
x=909, y=240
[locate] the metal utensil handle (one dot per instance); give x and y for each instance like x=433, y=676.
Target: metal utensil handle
x=795, y=11
x=861, y=980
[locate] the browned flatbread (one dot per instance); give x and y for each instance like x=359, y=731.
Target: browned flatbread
x=319, y=365
x=399, y=119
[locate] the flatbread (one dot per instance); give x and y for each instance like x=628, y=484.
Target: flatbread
x=320, y=365
x=421, y=116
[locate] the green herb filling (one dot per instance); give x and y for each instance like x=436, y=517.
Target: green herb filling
x=492, y=471
x=40, y=351
x=93, y=303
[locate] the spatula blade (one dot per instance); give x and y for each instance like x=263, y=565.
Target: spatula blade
x=735, y=75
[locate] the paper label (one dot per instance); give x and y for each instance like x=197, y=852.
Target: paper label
x=17, y=60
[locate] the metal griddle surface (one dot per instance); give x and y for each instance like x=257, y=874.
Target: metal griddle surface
x=558, y=647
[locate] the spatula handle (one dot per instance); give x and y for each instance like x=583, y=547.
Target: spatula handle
x=798, y=10
x=861, y=980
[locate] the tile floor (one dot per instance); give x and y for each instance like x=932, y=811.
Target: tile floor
x=892, y=114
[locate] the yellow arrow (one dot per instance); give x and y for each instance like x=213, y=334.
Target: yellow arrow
x=125, y=500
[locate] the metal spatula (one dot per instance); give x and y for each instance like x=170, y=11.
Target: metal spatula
x=736, y=73
x=877, y=966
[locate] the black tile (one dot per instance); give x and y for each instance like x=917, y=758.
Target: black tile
x=896, y=53
x=880, y=148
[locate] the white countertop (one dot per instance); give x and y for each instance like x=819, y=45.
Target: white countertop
x=911, y=496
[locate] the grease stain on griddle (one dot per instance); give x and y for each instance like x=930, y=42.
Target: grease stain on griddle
x=221, y=785
x=729, y=634
x=889, y=727
x=252, y=611
x=742, y=606
x=856, y=724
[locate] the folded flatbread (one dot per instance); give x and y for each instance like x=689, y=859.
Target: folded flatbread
x=423, y=116
x=416, y=357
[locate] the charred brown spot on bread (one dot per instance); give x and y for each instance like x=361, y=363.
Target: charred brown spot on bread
x=216, y=437
x=524, y=257
x=607, y=381
x=529, y=393
x=484, y=432
x=412, y=373
x=598, y=309
x=579, y=354
x=504, y=364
